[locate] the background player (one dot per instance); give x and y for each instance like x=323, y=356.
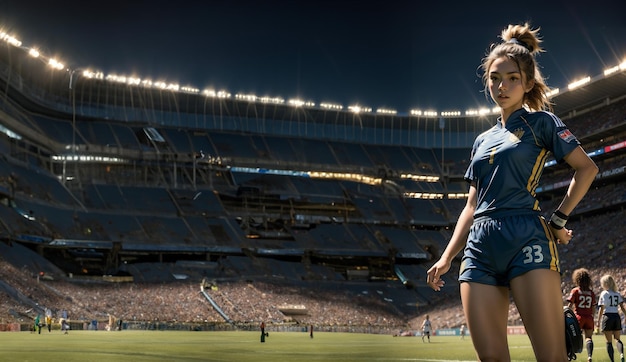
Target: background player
x=609, y=320
x=582, y=300
x=426, y=328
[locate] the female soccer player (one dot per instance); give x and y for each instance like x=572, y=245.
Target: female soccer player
x=426, y=328
x=609, y=301
x=508, y=245
x=582, y=300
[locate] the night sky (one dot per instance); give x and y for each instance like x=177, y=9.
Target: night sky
x=393, y=54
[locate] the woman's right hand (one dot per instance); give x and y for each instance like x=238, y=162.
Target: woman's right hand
x=433, y=276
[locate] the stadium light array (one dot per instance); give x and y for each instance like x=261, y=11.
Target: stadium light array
x=123, y=79
x=578, y=83
x=272, y=100
x=333, y=106
x=189, y=89
x=89, y=158
x=359, y=109
x=219, y=94
x=254, y=98
x=553, y=92
x=92, y=75
x=482, y=111
x=417, y=112
x=386, y=111
x=300, y=103
x=611, y=70
x=615, y=69
x=166, y=86
x=9, y=39
x=55, y=64
x=346, y=176
x=245, y=97
x=423, y=195
x=425, y=178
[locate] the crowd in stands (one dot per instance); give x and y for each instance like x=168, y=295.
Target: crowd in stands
x=244, y=302
x=598, y=243
x=88, y=300
x=597, y=120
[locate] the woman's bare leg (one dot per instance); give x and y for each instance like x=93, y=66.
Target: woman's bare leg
x=486, y=309
x=538, y=297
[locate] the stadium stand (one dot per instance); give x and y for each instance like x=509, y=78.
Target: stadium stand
x=123, y=199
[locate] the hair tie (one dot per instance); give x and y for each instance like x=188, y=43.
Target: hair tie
x=519, y=42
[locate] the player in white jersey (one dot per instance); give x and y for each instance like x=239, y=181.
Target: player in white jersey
x=609, y=321
x=426, y=328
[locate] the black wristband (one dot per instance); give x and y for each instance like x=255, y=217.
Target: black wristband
x=561, y=215
x=554, y=225
x=558, y=220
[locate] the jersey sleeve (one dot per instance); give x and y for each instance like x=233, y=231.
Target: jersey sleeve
x=469, y=173
x=557, y=138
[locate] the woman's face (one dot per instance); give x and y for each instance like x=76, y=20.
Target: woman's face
x=506, y=84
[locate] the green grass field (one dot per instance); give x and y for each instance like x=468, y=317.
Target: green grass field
x=245, y=346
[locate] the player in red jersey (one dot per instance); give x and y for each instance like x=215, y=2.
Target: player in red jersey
x=582, y=300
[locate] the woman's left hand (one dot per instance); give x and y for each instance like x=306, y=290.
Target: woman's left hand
x=563, y=235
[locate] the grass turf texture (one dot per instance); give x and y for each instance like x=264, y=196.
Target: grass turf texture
x=244, y=346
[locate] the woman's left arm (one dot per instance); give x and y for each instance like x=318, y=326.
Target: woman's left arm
x=585, y=172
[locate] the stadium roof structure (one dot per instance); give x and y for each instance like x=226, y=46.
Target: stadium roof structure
x=596, y=91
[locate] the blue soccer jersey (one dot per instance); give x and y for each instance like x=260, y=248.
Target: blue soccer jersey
x=507, y=161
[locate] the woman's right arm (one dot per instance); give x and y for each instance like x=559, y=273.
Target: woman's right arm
x=600, y=313
x=456, y=244
x=621, y=305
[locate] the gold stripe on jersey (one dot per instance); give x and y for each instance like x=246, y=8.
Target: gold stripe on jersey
x=533, y=180
x=554, y=254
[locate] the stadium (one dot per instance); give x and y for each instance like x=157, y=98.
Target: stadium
x=170, y=207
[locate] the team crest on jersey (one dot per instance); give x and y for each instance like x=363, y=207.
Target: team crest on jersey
x=566, y=135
